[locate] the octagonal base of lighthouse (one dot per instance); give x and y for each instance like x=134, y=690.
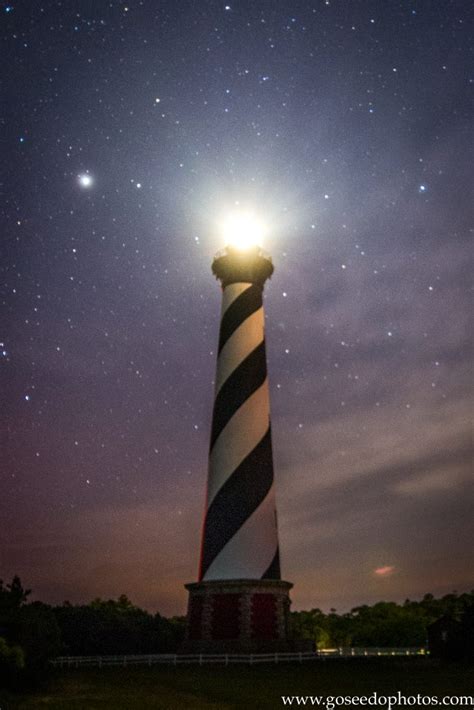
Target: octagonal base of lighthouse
x=238, y=616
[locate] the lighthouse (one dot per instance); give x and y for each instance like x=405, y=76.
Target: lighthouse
x=240, y=602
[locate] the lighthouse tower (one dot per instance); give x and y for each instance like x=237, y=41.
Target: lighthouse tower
x=240, y=602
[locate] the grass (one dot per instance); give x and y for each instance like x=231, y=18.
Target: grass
x=220, y=688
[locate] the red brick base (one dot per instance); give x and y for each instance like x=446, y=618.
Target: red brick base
x=232, y=616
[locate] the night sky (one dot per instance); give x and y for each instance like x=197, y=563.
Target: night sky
x=128, y=129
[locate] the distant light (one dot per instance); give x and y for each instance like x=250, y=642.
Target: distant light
x=243, y=230
x=384, y=571
x=85, y=180
x=422, y=188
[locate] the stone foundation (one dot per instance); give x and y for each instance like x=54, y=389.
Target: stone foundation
x=238, y=616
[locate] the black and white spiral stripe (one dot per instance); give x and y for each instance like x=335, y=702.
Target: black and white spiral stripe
x=240, y=539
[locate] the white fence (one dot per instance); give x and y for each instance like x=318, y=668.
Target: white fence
x=371, y=651
x=228, y=658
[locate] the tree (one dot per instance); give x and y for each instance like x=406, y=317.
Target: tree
x=384, y=623
x=12, y=660
x=39, y=636
x=311, y=625
x=13, y=595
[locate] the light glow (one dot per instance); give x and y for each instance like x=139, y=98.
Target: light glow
x=385, y=571
x=85, y=180
x=243, y=230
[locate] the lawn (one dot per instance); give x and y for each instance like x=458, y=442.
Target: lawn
x=220, y=688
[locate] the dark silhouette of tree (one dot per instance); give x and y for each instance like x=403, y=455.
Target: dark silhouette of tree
x=451, y=637
x=39, y=635
x=13, y=595
x=115, y=627
x=29, y=635
x=385, y=623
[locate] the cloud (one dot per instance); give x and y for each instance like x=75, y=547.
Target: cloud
x=436, y=482
x=385, y=571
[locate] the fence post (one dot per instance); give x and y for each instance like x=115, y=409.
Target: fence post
x=251, y=659
x=227, y=659
x=200, y=659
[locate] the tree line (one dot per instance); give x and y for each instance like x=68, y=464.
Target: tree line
x=31, y=633
x=384, y=624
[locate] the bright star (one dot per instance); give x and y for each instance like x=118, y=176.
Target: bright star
x=85, y=180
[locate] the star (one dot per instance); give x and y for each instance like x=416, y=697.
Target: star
x=85, y=180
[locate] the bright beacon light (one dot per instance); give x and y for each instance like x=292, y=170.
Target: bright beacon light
x=243, y=230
